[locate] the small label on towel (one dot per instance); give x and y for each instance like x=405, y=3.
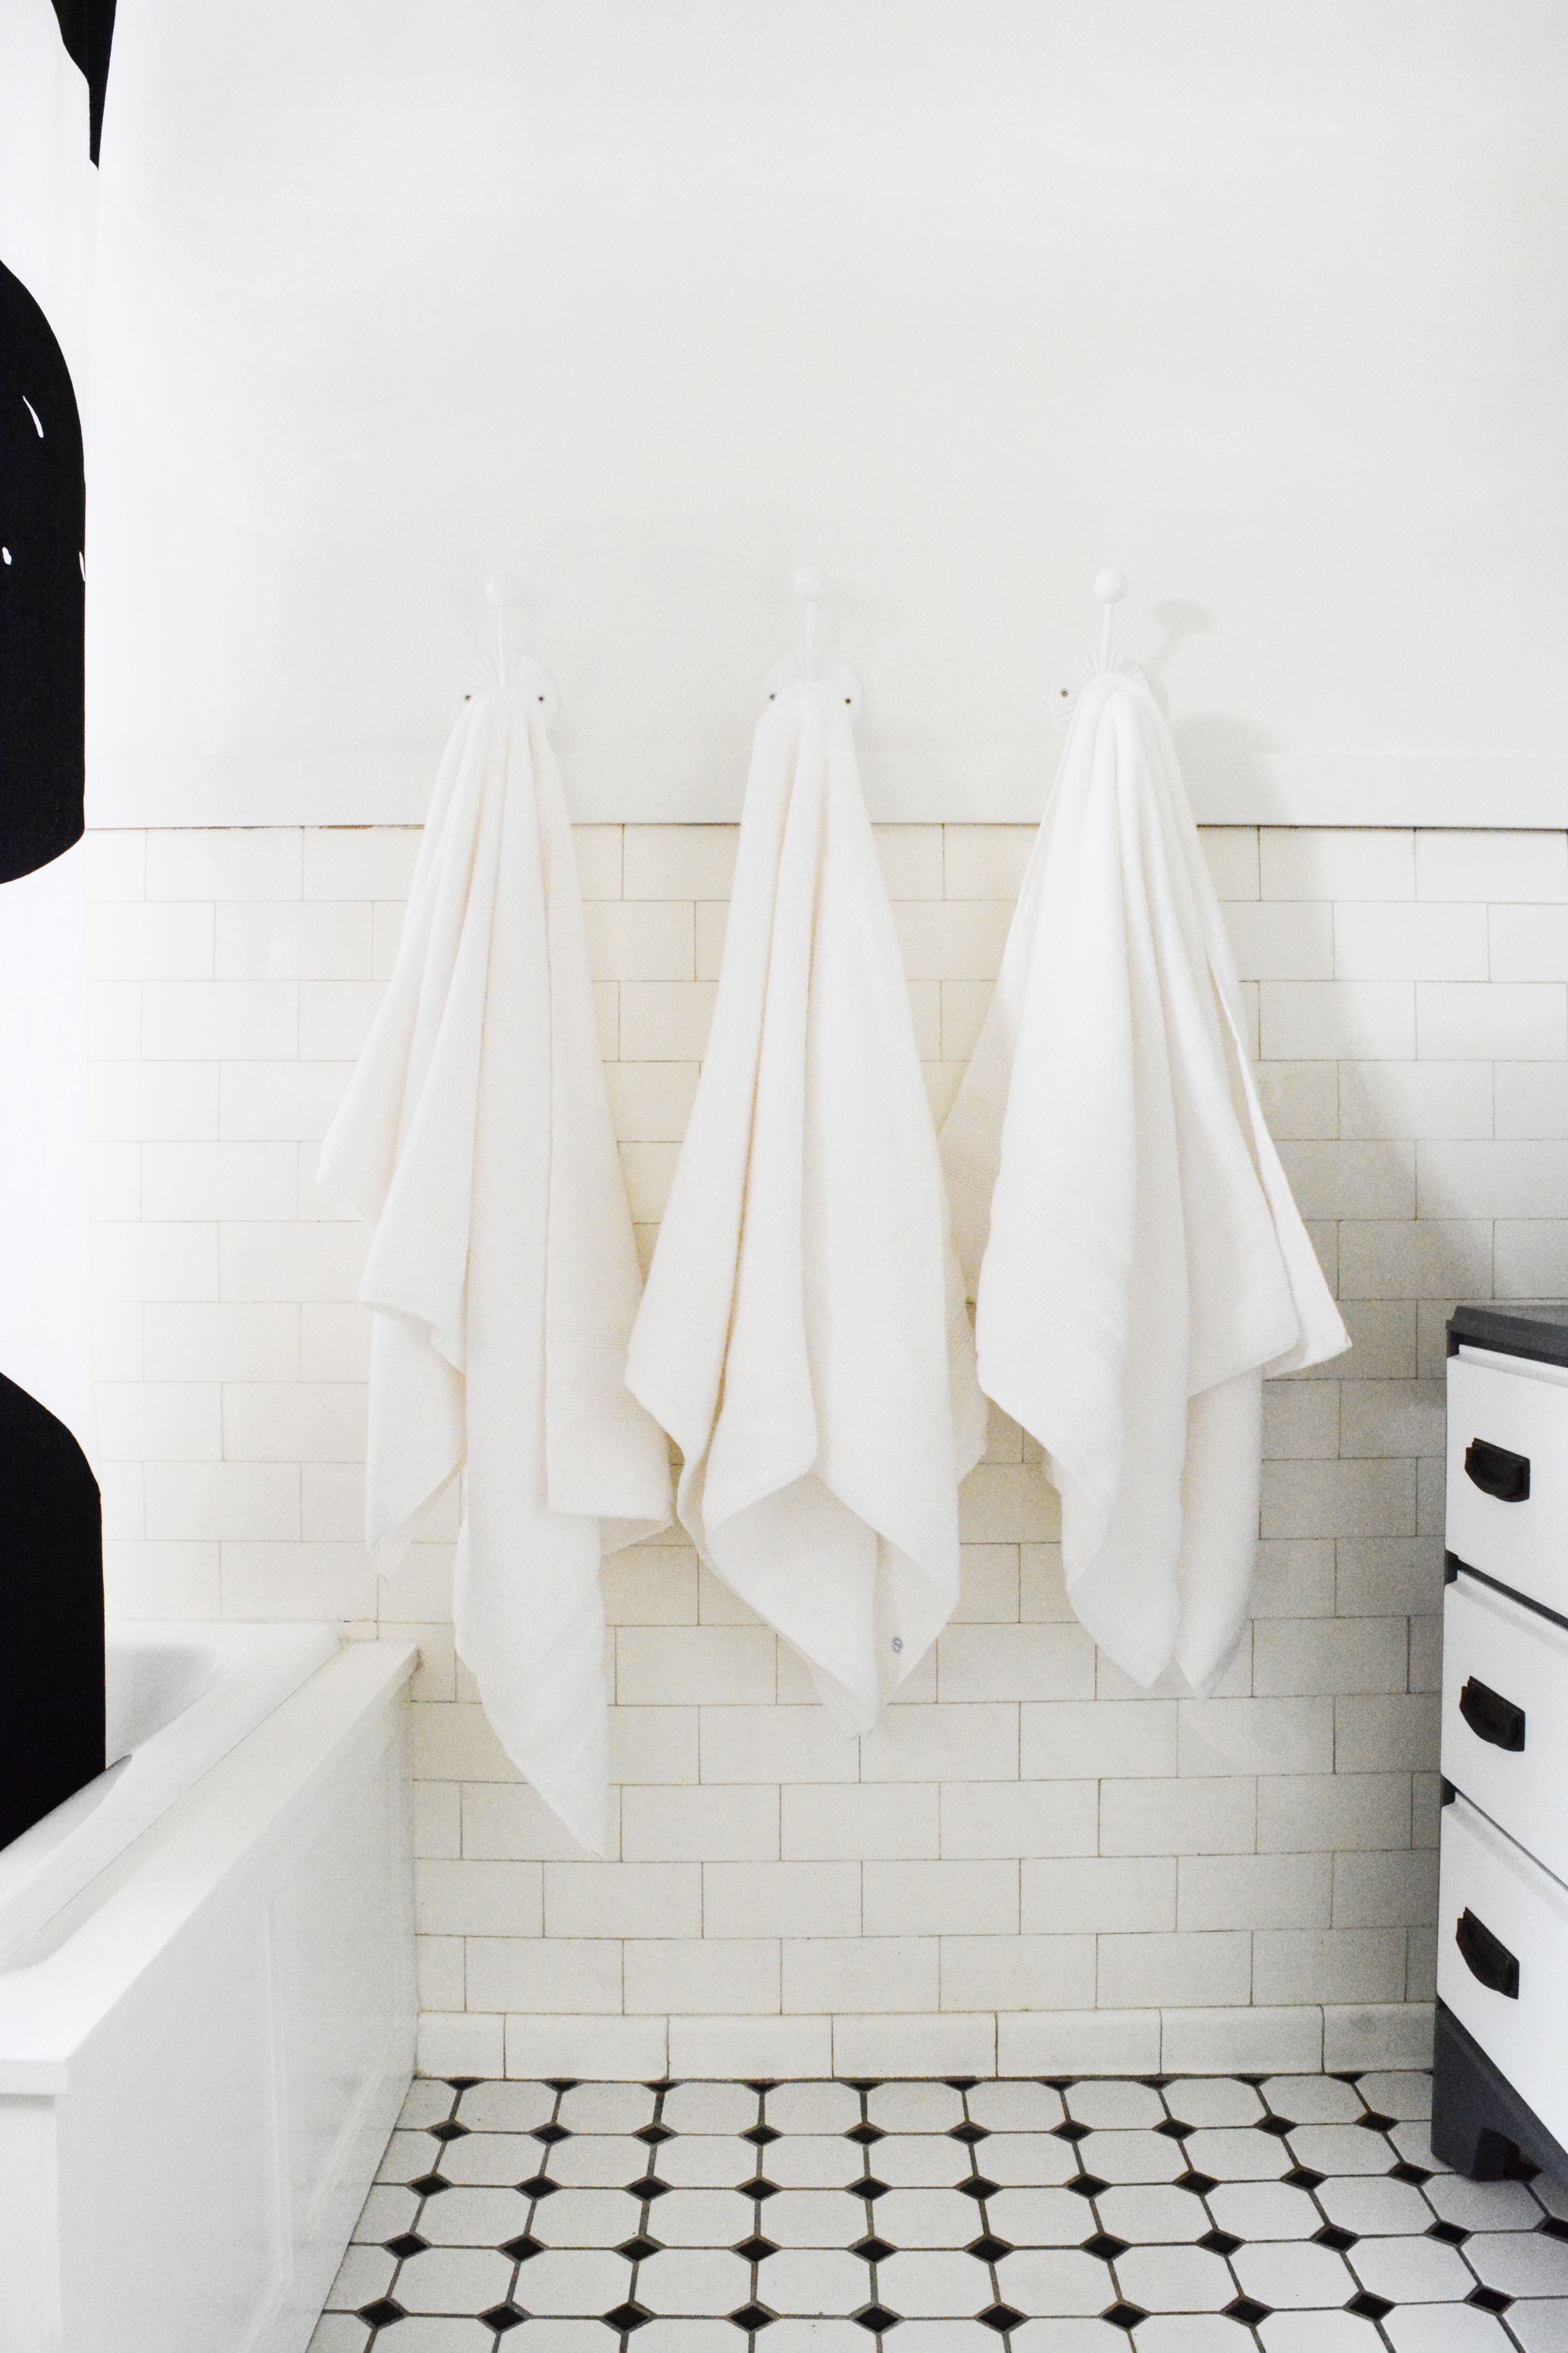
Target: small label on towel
x=898, y=1642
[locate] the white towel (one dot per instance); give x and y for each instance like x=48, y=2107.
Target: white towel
x=1140, y=1262
x=803, y=1334
x=476, y=1139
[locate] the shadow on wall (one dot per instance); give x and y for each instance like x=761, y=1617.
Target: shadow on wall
x=1180, y=621
x=1212, y=748
x=1221, y=754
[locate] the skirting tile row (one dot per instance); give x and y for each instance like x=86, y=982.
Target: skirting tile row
x=1100, y=2042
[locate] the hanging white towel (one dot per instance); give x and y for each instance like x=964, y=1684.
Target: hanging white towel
x=1123, y=1219
x=475, y=1140
x=803, y=1334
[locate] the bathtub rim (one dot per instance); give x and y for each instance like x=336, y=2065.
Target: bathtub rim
x=258, y=1663
x=60, y=1988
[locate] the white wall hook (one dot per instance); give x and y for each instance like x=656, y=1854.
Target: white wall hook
x=527, y=679
x=813, y=667
x=1110, y=588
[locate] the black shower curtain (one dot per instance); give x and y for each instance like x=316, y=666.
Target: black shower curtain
x=51, y=1569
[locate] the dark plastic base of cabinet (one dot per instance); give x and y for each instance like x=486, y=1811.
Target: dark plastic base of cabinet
x=1538, y=1331
x=1479, y=2125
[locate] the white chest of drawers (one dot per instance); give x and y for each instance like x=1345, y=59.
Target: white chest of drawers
x=1501, y=2058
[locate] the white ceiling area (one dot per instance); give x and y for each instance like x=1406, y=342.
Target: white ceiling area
x=1266, y=305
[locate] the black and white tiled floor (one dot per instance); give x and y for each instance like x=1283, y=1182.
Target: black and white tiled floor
x=1183, y=2214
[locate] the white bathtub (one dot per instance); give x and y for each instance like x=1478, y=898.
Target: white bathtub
x=178, y=1697
x=206, y=2001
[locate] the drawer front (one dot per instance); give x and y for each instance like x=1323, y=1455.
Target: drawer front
x=1505, y=1716
x=1500, y=1418
x=1512, y=1919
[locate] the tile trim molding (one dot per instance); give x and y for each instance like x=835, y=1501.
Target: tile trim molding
x=1004, y=786
x=1339, y=2037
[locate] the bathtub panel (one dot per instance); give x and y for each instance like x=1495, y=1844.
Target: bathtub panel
x=213, y=2041
x=29, y=2224
x=346, y=2003
x=169, y=2164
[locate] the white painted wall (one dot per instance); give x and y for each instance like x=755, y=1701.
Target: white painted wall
x=1265, y=304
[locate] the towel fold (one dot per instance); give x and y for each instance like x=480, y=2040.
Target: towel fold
x=804, y=1335
x=1125, y=1225
x=475, y=1139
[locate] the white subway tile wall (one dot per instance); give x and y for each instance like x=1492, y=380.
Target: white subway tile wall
x=1031, y=1843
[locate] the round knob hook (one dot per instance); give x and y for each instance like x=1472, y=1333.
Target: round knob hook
x=503, y=589
x=1109, y=585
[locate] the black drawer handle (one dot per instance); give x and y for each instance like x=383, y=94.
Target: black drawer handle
x=1490, y=1717
x=1486, y=1958
x=1497, y=1472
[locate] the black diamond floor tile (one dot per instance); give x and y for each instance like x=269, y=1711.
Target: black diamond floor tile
x=1551, y=2228
x=756, y=2248
x=1072, y=2130
x=977, y=2186
x=988, y=2248
x=522, y=2250
x=429, y=2185
x=1403, y=2171
x=502, y=2317
x=551, y=2134
x=961, y=2083
x=876, y=2317
x=1087, y=2185
x=409, y=2243
x=870, y=2187
x=539, y=2185
x=1367, y=2306
x=1219, y=2243
x=1200, y=2184
x=872, y=2250
x=1373, y=2121
x=1174, y=2128
x=648, y=2187
x=1452, y=2235
x=969, y=2133
x=653, y=2134
x=1278, y=2125
x=462, y=2083
x=570, y=2084
x=752, y=2316
x=1490, y=2299
x=627, y=2315
x=1301, y=2177
x=760, y=2134
x=1125, y=2316
x=1331, y=2235
x=637, y=2250
x=1247, y=2310
x=451, y=2130
x=1105, y=2246
x=760, y=2185
x=864, y=2134
x=761, y=2083
x=383, y=2314
x=1000, y=2316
